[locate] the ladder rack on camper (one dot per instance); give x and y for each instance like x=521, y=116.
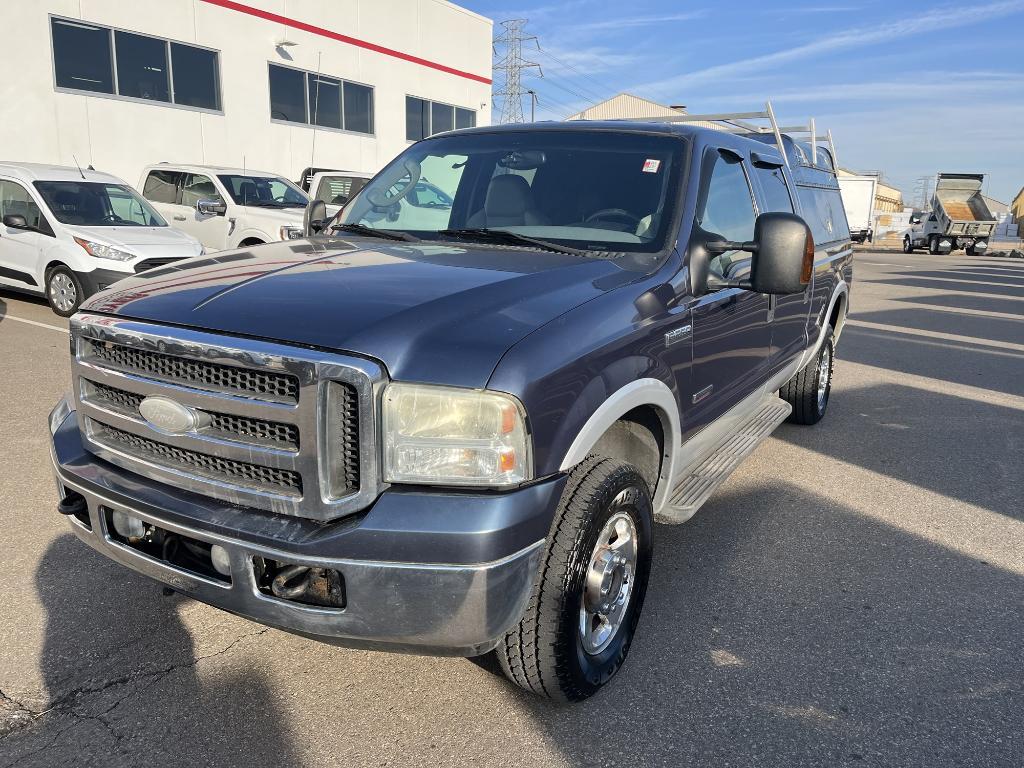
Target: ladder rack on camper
x=739, y=122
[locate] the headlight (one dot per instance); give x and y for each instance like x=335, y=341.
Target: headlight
x=291, y=233
x=449, y=436
x=101, y=251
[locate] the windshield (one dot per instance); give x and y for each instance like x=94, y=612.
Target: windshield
x=596, y=191
x=97, y=204
x=263, y=191
x=338, y=190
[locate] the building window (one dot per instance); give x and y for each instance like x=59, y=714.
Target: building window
x=358, y=108
x=196, y=77
x=308, y=98
x=141, y=67
x=324, y=101
x=417, y=118
x=96, y=59
x=81, y=57
x=424, y=118
x=287, y=94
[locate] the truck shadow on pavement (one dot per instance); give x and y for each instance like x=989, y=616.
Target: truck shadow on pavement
x=120, y=666
x=782, y=629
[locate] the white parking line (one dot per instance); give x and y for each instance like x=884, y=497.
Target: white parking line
x=34, y=322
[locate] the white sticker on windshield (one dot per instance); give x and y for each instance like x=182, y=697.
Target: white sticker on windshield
x=651, y=166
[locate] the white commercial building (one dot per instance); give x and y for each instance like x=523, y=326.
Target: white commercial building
x=276, y=85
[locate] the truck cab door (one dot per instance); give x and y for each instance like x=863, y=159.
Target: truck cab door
x=731, y=329
x=789, y=313
x=211, y=229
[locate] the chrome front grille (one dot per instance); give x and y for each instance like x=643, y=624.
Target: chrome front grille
x=196, y=373
x=202, y=464
x=242, y=429
x=272, y=427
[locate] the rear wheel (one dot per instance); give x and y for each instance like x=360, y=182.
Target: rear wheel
x=908, y=246
x=63, y=290
x=933, y=245
x=809, y=390
x=578, y=626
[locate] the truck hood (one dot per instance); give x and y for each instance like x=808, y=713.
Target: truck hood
x=143, y=241
x=431, y=313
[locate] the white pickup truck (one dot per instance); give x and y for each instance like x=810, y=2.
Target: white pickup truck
x=226, y=207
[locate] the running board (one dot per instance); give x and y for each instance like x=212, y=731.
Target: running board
x=693, y=490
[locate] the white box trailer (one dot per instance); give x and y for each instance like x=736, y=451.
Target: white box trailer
x=859, y=201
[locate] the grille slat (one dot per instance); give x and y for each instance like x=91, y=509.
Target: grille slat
x=280, y=481
x=279, y=387
x=242, y=429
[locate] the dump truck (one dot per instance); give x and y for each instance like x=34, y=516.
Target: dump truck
x=959, y=218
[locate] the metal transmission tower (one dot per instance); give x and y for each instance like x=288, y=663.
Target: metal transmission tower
x=512, y=64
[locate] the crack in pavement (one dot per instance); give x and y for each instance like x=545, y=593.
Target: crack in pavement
x=69, y=703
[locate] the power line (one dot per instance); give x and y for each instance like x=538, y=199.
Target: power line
x=513, y=64
x=603, y=87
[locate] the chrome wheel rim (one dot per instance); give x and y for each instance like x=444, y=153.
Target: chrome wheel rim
x=608, y=583
x=824, y=373
x=63, y=293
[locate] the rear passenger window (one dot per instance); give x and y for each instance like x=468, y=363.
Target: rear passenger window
x=198, y=188
x=728, y=209
x=773, y=185
x=823, y=210
x=162, y=186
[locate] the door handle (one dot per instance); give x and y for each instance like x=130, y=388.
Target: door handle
x=179, y=218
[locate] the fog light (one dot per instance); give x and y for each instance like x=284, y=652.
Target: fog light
x=129, y=527
x=221, y=561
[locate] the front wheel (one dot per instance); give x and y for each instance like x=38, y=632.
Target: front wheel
x=63, y=291
x=809, y=390
x=908, y=246
x=578, y=626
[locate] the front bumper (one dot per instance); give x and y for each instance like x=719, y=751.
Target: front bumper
x=427, y=572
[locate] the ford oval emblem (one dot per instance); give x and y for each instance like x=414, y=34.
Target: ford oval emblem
x=167, y=415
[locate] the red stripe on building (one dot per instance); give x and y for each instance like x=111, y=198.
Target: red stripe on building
x=294, y=24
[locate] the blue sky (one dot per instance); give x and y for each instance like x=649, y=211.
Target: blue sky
x=908, y=88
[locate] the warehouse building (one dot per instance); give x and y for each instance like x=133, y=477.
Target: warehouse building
x=274, y=85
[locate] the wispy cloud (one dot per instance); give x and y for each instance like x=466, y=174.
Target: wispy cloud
x=641, y=21
x=964, y=86
x=907, y=28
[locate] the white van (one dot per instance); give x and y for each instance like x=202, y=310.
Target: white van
x=67, y=233
x=226, y=207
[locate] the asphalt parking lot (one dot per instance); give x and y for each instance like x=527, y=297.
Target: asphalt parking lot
x=854, y=595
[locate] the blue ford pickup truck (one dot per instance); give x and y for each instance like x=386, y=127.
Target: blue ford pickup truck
x=448, y=426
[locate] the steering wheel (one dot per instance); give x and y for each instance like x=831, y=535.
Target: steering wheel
x=631, y=220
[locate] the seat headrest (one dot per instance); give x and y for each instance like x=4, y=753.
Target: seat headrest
x=507, y=195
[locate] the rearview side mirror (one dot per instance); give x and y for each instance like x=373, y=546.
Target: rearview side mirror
x=16, y=221
x=782, y=256
x=315, y=218
x=211, y=207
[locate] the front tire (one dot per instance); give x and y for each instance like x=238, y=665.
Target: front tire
x=808, y=392
x=907, y=245
x=64, y=291
x=578, y=626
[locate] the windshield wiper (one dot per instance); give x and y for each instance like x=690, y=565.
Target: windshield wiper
x=386, y=234
x=509, y=238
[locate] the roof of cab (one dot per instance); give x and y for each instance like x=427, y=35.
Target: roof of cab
x=621, y=126
x=43, y=172
x=797, y=153
x=196, y=168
